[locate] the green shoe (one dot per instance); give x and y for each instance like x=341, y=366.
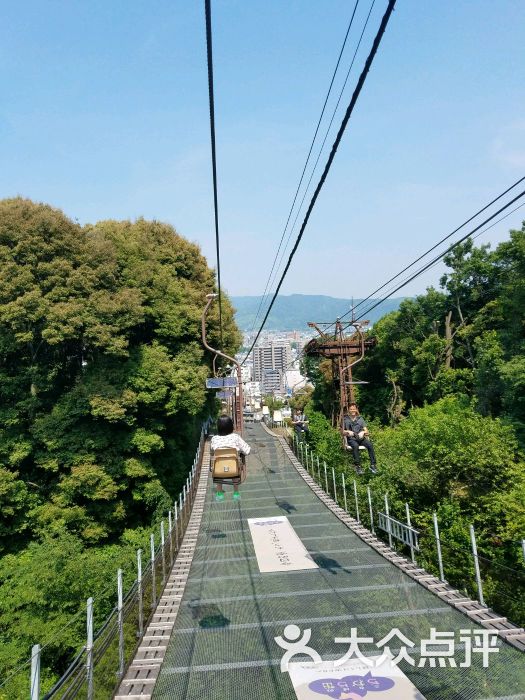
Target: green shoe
x=219, y=496
x=236, y=496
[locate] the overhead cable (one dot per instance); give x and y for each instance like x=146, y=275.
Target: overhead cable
x=209, y=53
x=331, y=157
x=430, y=250
x=441, y=255
x=307, y=161
x=480, y=233
x=292, y=228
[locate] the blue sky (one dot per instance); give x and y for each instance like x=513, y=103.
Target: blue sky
x=105, y=115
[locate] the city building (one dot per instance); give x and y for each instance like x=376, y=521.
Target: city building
x=270, y=361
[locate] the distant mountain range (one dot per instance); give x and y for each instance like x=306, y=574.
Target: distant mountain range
x=294, y=311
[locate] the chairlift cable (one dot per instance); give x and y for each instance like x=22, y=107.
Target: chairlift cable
x=327, y=133
x=209, y=53
x=441, y=255
x=480, y=233
x=268, y=282
x=445, y=238
x=344, y=123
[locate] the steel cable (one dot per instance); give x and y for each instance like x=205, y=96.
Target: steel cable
x=480, y=233
x=331, y=157
x=326, y=134
x=268, y=282
x=209, y=54
x=430, y=250
x=441, y=255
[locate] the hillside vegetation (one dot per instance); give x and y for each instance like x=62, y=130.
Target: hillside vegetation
x=102, y=395
x=446, y=408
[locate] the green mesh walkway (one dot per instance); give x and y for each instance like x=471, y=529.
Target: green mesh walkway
x=223, y=647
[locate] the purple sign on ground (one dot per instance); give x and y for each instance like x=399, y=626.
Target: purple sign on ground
x=357, y=685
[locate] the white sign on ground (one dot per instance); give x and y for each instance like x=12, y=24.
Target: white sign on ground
x=352, y=681
x=277, y=545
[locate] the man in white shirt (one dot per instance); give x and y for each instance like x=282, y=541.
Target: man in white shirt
x=227, y=438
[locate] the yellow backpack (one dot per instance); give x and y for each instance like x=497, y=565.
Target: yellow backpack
x=226, y=463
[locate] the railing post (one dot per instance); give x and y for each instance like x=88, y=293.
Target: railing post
x=89, y=649
x=409, y=523
x=356, y=503
x=476, y=565
x=387, y=512
x=170, y=535
x=163, y=549
x=153, y=582
x=319, y=478
x=139, y=592
x=335, y=487
x=438, y=547
x=371, y=510
x=120, y=625
x=325, y=478
x=35, y=672
x=344, y=493
x=175, y=510
x=523, y=548
x=306, y=449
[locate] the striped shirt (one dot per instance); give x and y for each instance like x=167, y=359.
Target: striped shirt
x=231, y=440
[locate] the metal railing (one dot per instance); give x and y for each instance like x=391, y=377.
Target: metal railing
x=99, y=666
x=399, y=531
x=394, y=529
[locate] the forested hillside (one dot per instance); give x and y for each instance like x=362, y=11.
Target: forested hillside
x=102, y=395
x=294, y=311
x=446, y=407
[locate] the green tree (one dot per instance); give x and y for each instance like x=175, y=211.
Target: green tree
x=102, y=394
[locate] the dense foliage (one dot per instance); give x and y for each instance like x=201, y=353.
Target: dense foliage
x=446, y=407
x=102, y=394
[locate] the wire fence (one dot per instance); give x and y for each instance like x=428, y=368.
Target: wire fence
x=98, y=667
x=491, y=583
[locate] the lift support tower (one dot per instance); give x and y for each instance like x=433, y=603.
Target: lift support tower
x=345, y=347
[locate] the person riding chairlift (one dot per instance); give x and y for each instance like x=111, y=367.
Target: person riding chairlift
x=300, y=423
x=356, y=432
x=227, y=438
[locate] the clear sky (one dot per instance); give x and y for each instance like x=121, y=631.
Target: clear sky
x=104, y=114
